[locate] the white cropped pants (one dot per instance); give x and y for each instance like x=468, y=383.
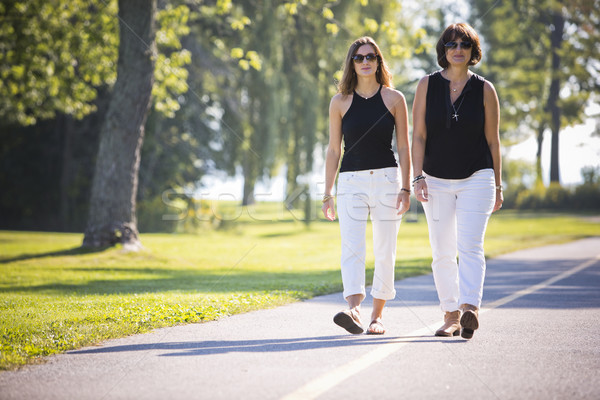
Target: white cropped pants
x=457, y=214
x=360, y=194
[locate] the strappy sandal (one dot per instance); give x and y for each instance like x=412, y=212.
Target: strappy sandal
x=376, y=323
x=350, y=321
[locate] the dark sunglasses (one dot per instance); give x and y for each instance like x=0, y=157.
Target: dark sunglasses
x=454, y=45
x=358, y=58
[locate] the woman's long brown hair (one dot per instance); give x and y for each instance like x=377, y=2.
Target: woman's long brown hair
x=348, y=83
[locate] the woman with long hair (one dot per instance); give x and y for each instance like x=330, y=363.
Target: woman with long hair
x=364, y=115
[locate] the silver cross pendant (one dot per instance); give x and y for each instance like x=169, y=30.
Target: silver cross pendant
x=455, y=116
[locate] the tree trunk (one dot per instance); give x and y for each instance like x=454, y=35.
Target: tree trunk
x=112, y=217
x=249, y=169
x=253, y=162
x=539, y=180
x=65, y=124
x=248, y=195
x=556, y=39
x=293, y=168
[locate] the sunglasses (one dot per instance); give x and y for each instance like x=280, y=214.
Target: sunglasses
x=454, y=45
x=358, y=58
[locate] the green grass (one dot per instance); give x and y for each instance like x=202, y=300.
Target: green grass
x=55, y=296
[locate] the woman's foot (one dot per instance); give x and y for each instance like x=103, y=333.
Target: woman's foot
x=469, y=321
x=451, y=325
x=376, y=327
x=349, y=320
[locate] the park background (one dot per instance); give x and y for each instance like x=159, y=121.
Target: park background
x=194, y=133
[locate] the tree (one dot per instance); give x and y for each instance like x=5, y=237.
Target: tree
x=543, y=58
x=317, y=36
x=56, y=61
x=556, y=42
x=112, y=216
x=55, y=55
x=57, y=66
x=258, y=88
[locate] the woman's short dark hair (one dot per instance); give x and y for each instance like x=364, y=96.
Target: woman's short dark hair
x=462, y=31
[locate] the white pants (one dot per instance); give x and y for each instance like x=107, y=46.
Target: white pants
x=457, y=214
x=360, y=194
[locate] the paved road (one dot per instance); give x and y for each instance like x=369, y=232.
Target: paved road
x=539, y=339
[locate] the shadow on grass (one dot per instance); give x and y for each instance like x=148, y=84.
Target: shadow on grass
x=75, y=251
x=504, y=278
x=209, y=347
x=157, y=280
x=163, y=280
x=280, y=234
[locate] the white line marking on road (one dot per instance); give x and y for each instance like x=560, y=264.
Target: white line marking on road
x=316, y=387
x=540, y=286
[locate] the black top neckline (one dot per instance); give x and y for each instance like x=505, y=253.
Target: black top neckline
x=448, y=80
x=465, y=90
x=369, y=98
x=448, y=98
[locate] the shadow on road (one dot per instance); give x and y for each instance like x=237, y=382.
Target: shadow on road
x=209, y=347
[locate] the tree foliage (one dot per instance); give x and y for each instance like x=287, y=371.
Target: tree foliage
x=58, y=66
x=543, y=58
x=276, y=115
x=53, y=57
x=240, y=87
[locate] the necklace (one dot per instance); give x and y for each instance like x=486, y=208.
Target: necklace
x=455, y=115
x=367, y=97
x=458, y=85
x=455, y=89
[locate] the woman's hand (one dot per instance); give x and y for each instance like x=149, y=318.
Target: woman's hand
x=329, y=209
x=403, y=202
x=421, y=193
x=499, y=200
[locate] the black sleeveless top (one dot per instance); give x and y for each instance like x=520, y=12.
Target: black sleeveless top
x=455, y=147
x=367, y=129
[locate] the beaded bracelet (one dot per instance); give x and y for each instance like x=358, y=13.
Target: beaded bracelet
x=327, y=197
x=417, y=178
x=405, y=190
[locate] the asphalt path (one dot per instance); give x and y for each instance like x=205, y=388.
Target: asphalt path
x=539, y=338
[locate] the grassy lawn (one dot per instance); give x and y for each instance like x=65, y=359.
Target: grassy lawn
x=55, y=297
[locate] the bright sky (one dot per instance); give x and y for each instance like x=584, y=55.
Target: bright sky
x=577, y=149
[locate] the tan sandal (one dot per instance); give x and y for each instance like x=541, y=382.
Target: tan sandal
x=376, y=328
x=350, y=321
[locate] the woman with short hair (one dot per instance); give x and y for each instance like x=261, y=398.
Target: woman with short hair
x=457, y=173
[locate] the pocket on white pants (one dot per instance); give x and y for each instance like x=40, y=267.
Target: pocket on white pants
x=392, y=177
